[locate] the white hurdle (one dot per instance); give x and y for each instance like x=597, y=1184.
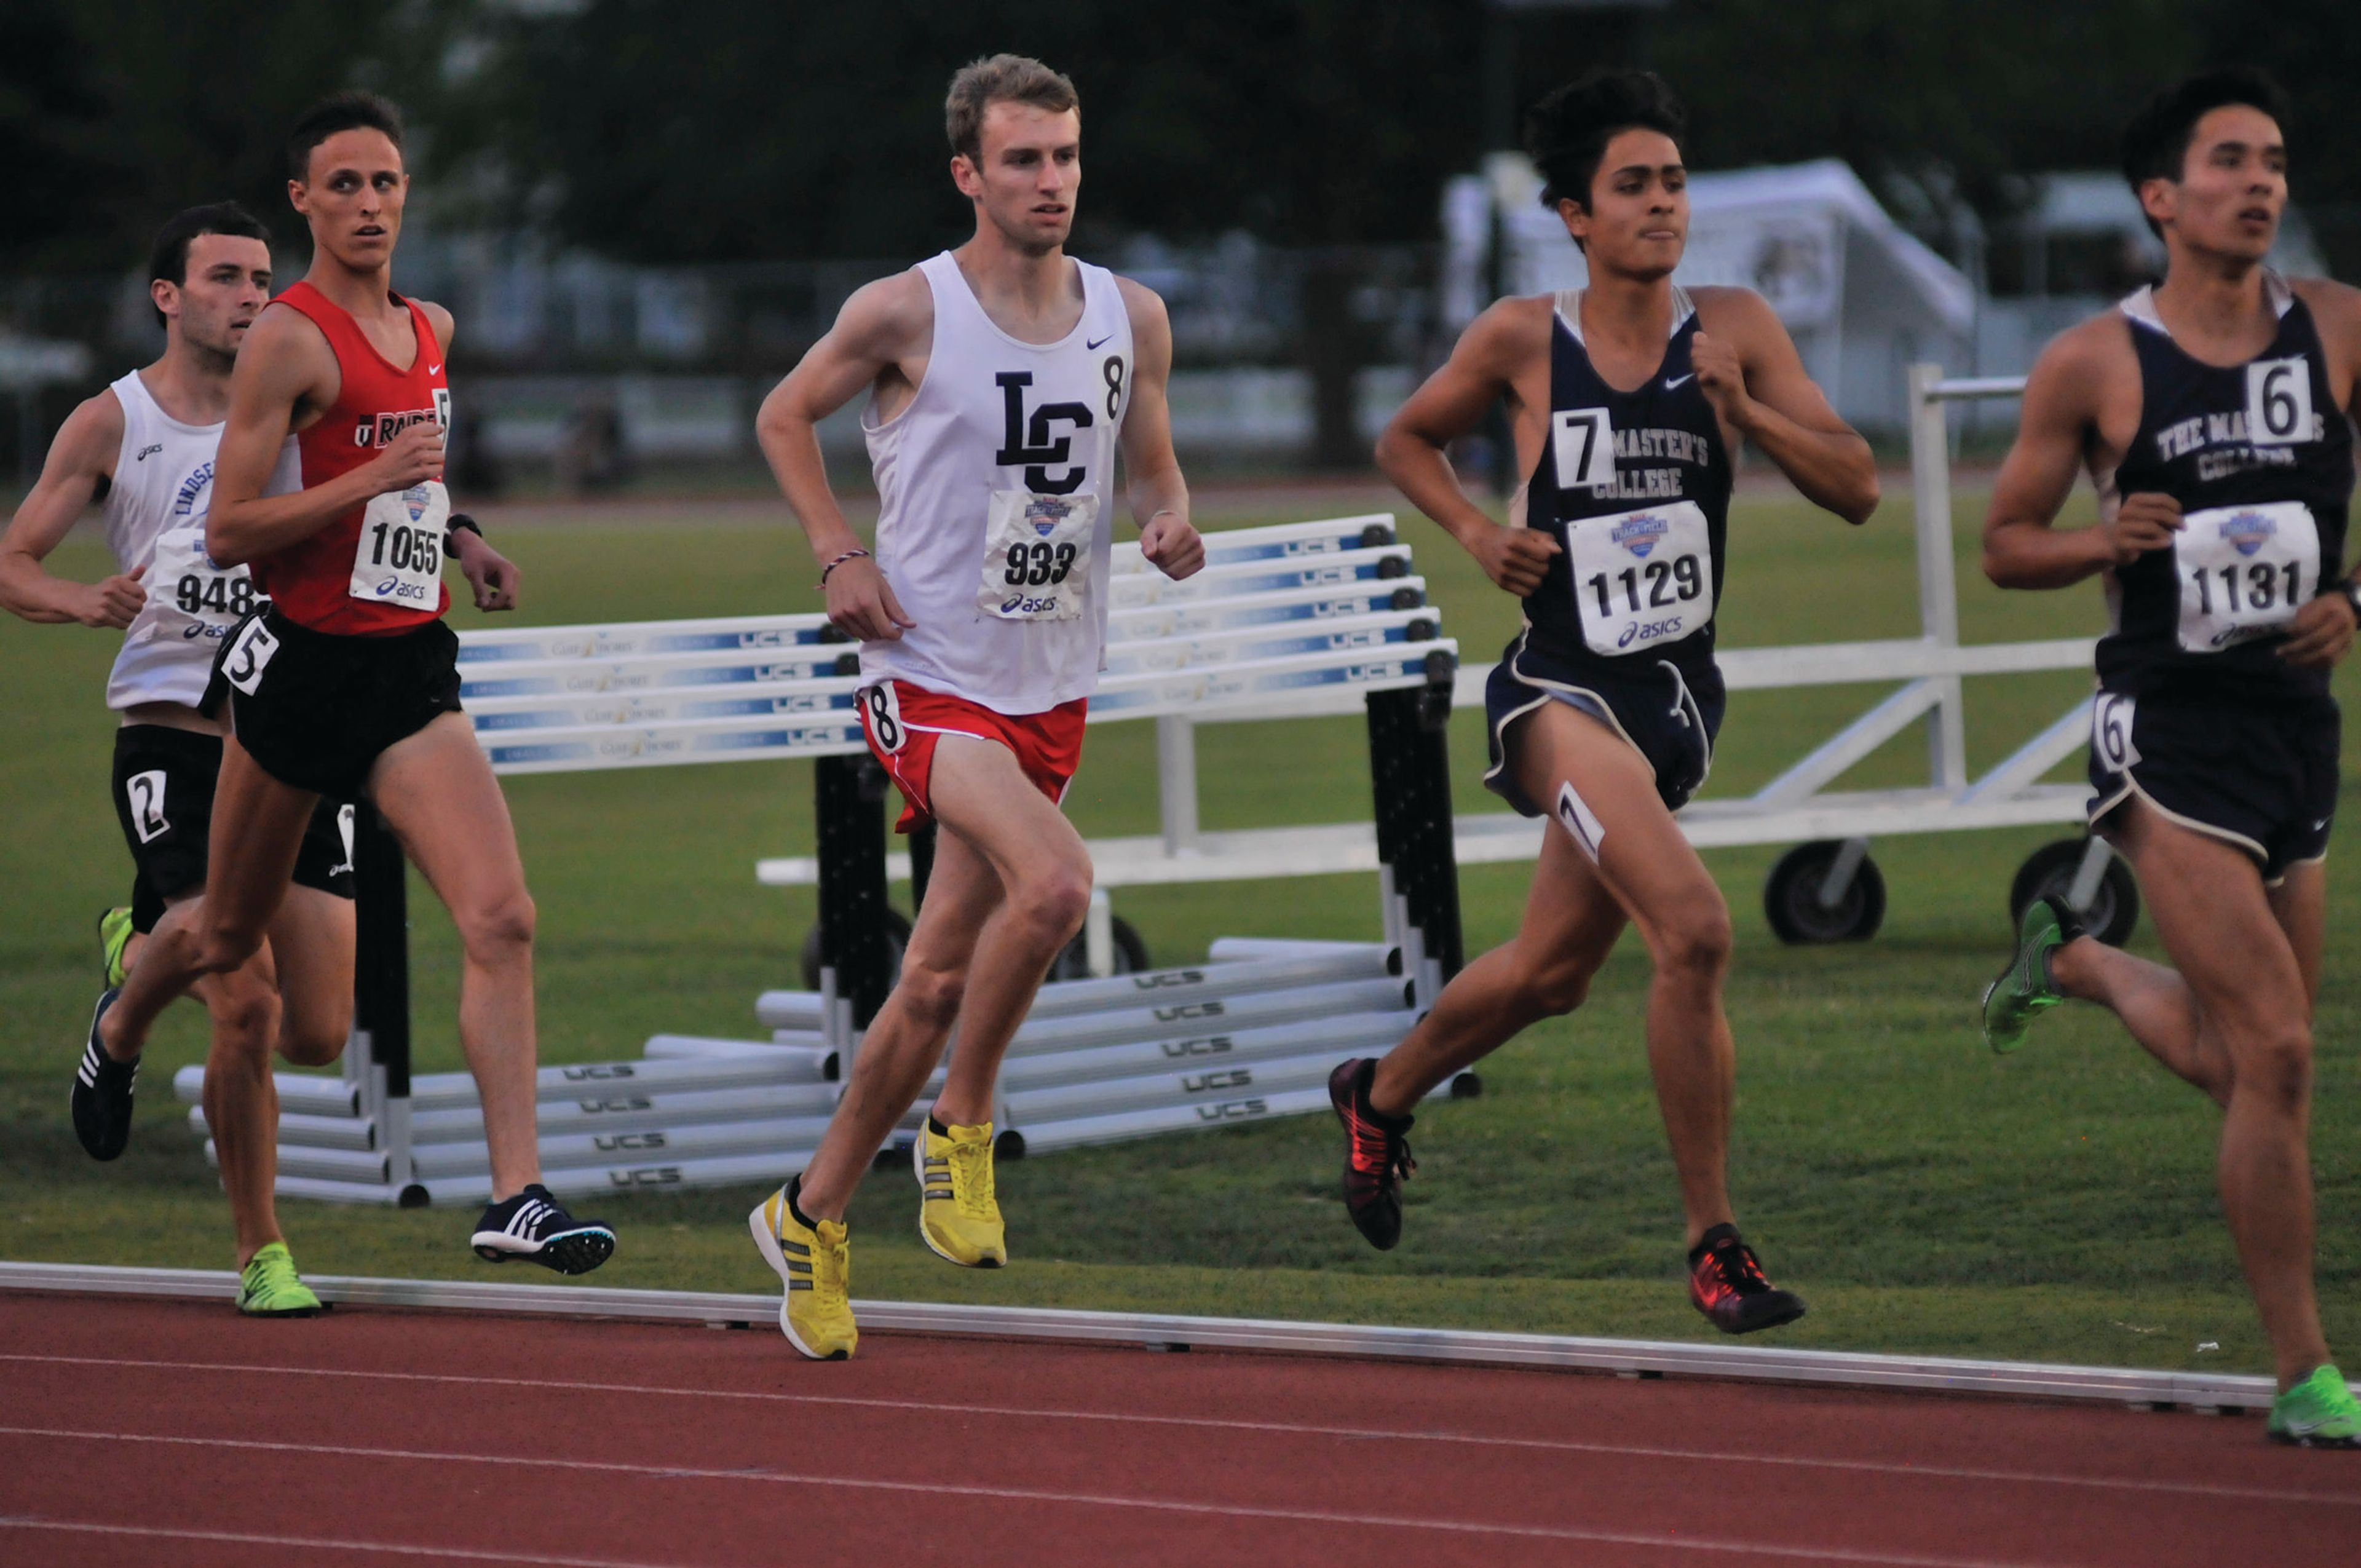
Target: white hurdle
x=1316, y=618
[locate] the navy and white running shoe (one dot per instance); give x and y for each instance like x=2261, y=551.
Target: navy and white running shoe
x=102, y=1091
x=531, y=1226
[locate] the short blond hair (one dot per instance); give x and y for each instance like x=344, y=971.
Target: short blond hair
x=1000, y=79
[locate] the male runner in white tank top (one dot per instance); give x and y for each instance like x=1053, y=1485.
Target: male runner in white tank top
x=1000, y=378
x=143, y=449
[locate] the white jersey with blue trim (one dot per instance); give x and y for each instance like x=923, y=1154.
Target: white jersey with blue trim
x=994, y=486
x=156, y=510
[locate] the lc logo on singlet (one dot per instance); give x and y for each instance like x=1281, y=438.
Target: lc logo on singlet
x=1034, y=441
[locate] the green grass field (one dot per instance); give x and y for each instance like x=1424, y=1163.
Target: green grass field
x=1924, y=1195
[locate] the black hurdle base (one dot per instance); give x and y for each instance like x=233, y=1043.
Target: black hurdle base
x=381, y=985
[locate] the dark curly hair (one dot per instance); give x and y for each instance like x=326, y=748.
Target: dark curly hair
x=1567, y=132
x=2155, y=142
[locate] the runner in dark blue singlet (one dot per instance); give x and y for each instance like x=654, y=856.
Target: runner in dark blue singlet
x=1628, y=398
x=2212, y=412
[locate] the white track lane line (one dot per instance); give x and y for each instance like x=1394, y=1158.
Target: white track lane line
x=1037, y=1495
x=312, y=1543
x=1558, y=1445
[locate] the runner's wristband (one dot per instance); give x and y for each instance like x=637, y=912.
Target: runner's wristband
x=459, y=519
x=2352, y=592
x=854, y=554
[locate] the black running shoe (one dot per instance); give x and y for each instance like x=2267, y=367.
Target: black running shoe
x=102, y=1091
x=1727, y=1285
x=533, y=1227
x=1377, y=1153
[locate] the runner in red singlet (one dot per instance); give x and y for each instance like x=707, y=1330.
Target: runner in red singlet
x=329, y=486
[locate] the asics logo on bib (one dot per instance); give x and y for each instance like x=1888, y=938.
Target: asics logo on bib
x=1031, y=439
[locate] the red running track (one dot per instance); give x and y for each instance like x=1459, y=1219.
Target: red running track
x=135, y=1431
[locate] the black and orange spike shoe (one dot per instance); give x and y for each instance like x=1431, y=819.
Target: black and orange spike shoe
x=1377, y=1153
x=1726, y=1285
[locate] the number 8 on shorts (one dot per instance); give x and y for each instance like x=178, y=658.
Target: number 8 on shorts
x=881, y=710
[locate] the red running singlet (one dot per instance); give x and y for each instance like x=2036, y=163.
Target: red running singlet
x=375, y=569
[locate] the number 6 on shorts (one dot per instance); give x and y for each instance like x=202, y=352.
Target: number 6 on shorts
x=883, y=710
x=2110, y=733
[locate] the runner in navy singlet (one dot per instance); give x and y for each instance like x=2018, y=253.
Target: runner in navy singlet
x=2211, y=411
x=1628, y=398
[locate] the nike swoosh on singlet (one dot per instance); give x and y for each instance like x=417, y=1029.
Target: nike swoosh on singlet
x=1086, y=347
x=1672, y=383
x=434, y=369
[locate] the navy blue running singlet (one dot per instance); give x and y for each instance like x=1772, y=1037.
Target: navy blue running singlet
x=2260, y=457
x=1635, y=486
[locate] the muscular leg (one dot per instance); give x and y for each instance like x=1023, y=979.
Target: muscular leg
x=241, y=1100
x=311, y=944
x=1571, y=924
x=1021, y=887
x=1656, y=878
x=2248, y=962
x=258, y=827
x=437, y=793
x=905, y=1039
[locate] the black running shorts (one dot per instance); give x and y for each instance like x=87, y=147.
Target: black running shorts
x=164, y=798
x=1669, y=714
x=2261, y=775
x=316, y=710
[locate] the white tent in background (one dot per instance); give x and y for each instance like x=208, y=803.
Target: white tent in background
x=1864, y=298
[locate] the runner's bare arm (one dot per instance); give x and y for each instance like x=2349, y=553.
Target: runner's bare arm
x=2322, y=631
x=287, y=370
x=1159, y=496
x=80, y=467
x=885, y=327
x=1453, y=400
x=2055, y=434
x=1750, y=372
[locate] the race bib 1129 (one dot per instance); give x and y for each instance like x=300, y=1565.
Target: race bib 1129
x=1641, y=579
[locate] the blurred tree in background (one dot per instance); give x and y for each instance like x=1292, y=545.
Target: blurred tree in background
x=715, y=130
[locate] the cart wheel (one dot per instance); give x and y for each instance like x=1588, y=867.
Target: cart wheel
x=898, y=937
x=1130, y=954
x=2049, y=870
x=1791, y=898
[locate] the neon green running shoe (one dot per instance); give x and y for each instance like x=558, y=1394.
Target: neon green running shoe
x=269, y=1287
x=114, y=936
x=2023, y=989
x=2319, y=1412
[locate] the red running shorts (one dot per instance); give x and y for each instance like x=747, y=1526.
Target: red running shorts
x=902, y=723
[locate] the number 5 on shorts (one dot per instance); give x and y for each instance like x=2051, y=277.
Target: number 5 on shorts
x=882, y=709
x=247, y=657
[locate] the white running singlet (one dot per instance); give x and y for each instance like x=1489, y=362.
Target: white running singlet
x=994, y=487
x=155, y=517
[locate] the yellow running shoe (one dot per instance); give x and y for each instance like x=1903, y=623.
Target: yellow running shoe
x=815, y=1262
x=958, y=1216
x=268, y=1285
x=114, y=936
